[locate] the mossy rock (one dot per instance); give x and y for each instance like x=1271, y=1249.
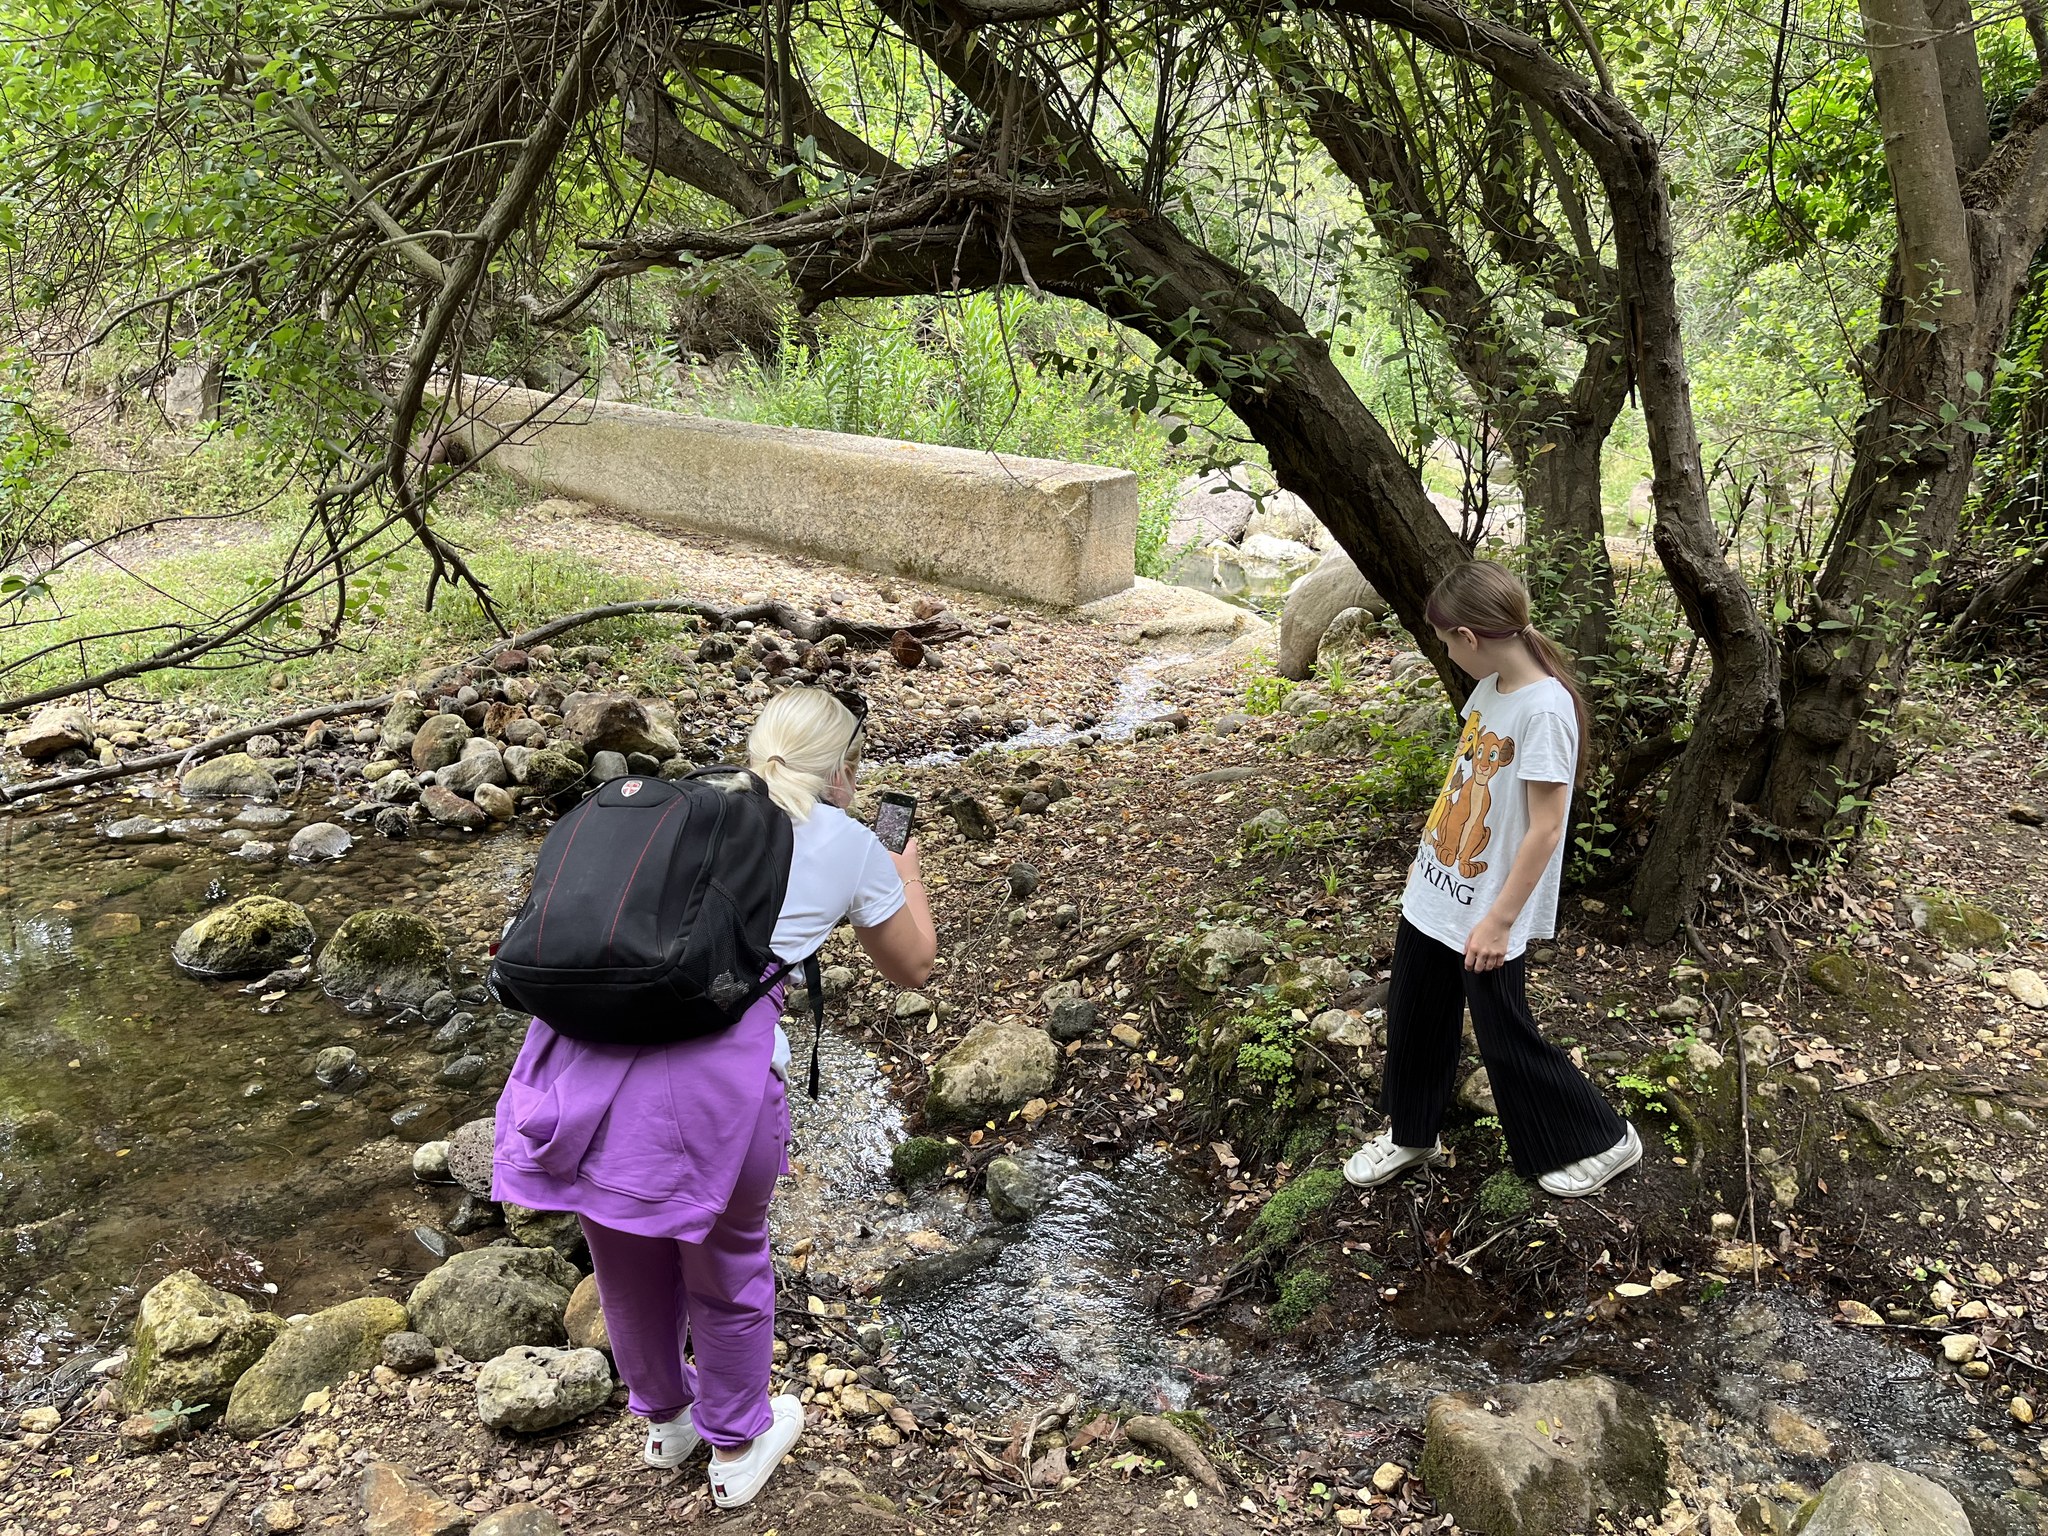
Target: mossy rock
x=245, y=938
x=395, y=956
x=1301, y=1291
x=995, y=1069
x=1309, y=982
x=191, y=1345
x=312, y=1354
x=1955, y=923
x=552, y=771
x=1864, y=984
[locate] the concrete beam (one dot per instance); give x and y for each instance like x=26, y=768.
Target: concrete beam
x=1041, y=530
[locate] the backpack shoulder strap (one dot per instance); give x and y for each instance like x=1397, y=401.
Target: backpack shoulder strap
x=814, y=980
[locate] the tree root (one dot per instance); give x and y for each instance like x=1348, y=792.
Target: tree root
x=803, y=626
x=1169, y=1439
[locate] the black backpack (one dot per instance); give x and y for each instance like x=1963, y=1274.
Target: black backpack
x=652, y=907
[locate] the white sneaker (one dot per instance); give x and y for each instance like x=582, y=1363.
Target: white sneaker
x=735, y=1482
x=1576, y=1180
x=1380, y=1160
x=671, y=1442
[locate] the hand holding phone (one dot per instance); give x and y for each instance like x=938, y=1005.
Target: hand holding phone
x=895, y=817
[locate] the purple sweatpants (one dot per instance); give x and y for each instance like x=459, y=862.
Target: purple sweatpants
x=717, y=1296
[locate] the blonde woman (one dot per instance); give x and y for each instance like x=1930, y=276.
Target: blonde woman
x=670, y=1153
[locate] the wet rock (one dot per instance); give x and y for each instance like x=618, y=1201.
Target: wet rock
x=1868, y=1498
x=320, y=843
x=930, y=1271
x=1955, y=923
x=235, y=775
x=55, y=730
x=385, y=953
x=255, y=851
x=334, y=1066
x=436, y=1009
x=475, y=1214
x=558, y=1230
x=461, y=1071
x=1313, y=602
x=397, y=1504
x=245, y=938
x=451, y=810
x=616, y=722
x=138, y=829
x=530, y=1389
x=994, y=1070
x=585, y=1319
x=495, y=802
x=1215, y=955
x=967, y=814
x=460, y=1029
x=191, y=1345
x=430, y=1163
x=395, y=789
x=318, y=1352
x=1073, y=1018
x=1555, y=1455
x=438, y=743
x=408, y=1353
x=917, y=1159
x=608, y=765
x=469, y=1155
x=487, y=1300
x=1016, y=1191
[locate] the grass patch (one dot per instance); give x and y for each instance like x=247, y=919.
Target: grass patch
x=1281, y=1218
x=1503, y=1198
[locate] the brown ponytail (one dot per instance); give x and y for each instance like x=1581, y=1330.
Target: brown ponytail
x=1491, y=601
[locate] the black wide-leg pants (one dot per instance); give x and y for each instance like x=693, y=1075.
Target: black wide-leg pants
x=1549, y=1113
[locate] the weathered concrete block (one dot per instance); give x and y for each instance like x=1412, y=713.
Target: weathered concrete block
x=1036, y=529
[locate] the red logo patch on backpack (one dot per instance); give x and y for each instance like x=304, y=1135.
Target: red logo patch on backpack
x=630, y=787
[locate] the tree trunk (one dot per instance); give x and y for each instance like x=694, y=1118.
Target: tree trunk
x=1570, y=575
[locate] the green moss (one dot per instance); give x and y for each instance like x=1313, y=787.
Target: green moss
x=1864, y=984
x=1303, y=1291
x=1503, y=1198
x=1281, y=1219
x=913, y=1161
x=1306, y=1140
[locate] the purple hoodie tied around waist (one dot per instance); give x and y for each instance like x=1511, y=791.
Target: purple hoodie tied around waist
x=647, y=1139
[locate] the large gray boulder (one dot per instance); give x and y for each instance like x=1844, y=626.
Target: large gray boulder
x=1315, y=600
x=1210, y=509
x=311, y=1354
x=191, y=1345
x=250, y=937
x=1548, y=1459
x=1868, y=1498
x=485, y=1301
x=480, y=763
x=236, y=775
x=994, y=1070
x=394, y=956
x=530, y=1390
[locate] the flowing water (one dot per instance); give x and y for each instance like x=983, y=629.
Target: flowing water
x=150, y=1120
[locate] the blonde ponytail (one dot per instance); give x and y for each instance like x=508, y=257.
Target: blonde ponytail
x=798, y=746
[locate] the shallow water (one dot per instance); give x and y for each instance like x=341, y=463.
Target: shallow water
x=1132, y=707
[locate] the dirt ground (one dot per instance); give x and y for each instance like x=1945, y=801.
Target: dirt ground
x=1889, y=1160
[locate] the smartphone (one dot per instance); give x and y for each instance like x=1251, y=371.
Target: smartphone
x=893, y=821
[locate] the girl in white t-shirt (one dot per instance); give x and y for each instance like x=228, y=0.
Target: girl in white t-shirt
x=1483, y=883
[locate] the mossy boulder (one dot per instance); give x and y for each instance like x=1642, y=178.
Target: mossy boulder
x=236, y=775
x=438, y=742
x=1308, y=982
x=1955, y=923
x=487, y=1300
x=1554, y=1455
x=402, y=718
x=1865, y=984
x=1292, y=1205
x=190, y=1346
x=312, y=1354
x=912, y=1162
x=997, y=1068
x=550, y=772
x=395, y=956
x=245, y=938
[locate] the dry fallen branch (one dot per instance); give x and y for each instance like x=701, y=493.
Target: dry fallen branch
x=804, y=626
x=1171, y=1440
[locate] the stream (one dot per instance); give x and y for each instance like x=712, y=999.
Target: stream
x=150, y=1121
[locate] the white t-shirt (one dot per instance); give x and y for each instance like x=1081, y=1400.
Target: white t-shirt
x=1481, y=815
x=838, y=872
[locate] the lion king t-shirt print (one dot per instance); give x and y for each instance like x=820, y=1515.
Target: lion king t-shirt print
x=1476, y=826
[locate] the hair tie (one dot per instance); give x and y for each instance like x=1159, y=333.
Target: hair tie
x=777, y=757
x=1529, y=630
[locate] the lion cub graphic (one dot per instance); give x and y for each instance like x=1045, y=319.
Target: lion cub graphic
x=1462, y=834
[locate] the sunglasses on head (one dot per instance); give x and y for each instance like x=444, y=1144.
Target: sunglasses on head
x=859, y=708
